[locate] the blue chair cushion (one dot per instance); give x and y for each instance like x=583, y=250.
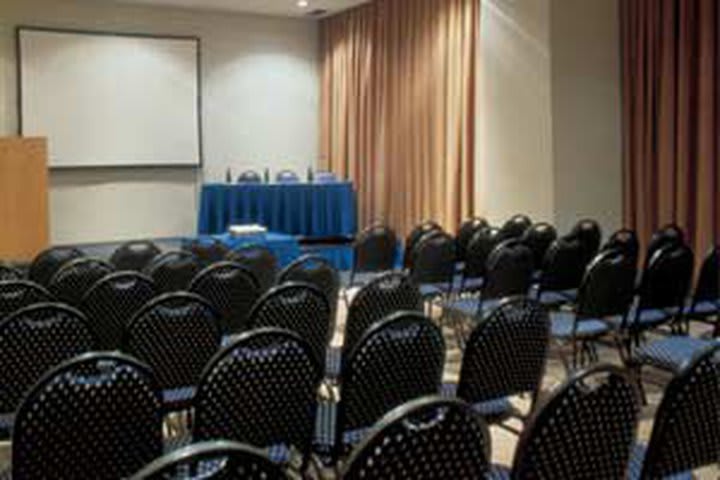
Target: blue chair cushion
x=636, y=465
x=430, y=290
x=469, y=284
x=562, y=326
x=325, y=424
x=550, y=298
x=702, y=308
x=494, y=409
x=648, y=318
x=178, y=397
x=333, y=362
x=464, y=306
x=670, y=353
x=498, y=472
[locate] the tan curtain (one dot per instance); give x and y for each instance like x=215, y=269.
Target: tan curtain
x=671, y=113
x=398, y=107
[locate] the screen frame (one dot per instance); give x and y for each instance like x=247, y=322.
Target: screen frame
x=36, y=28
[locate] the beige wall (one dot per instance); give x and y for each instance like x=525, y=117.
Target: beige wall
x=260, y=107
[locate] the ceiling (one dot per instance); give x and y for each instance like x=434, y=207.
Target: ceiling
x=286, y=8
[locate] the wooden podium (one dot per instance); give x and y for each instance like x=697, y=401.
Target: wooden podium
x=23, y=198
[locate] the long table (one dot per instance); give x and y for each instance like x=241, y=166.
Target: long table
x=303, y=209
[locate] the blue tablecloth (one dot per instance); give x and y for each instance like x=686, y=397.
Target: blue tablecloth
x=311, y=210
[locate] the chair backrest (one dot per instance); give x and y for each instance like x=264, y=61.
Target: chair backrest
x=325, y=177
x=300, y=308
x=231, y=289
x=96, y=416
x=708, y=283
x=515, y=227
x=608, y=287
x=17, y=294
x=414, y=237
x=315, y=271
x=176, y=334
x=564, y=265
x=249, y=176
x=375, y=249
x=467, y=230
x=287, y=176
x=173, y=271
x=260, y=261
x=585, y=429
x=589, y=234
x=112, y=302
x=383, y=296
x=76, y=278
x=624, y=240
x=219, y=460
x=479, y=249
x=35, y=339
x=509, y=270
x=538, y=239
x=506, y=352
x=261, y=389
x=397, y=360
x=433, y=259
x=669, y=235
x=685, y=433
x=134, y=255
x=666, y=281
x=429, y=438
x=44, y=266
x=9, y=273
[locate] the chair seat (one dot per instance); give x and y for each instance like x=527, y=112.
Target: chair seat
x=464, y=306
x=702, y=309
x=493, y=410
x=648, y=318
x=670, y=353
x=465, y=285
x=498, y=472
x=563, y=323
x=552, y=298
x=178, y=398
x=7, y=421
x=333, y=362
x=325, y=424
x=636, y=465
x=432, y=290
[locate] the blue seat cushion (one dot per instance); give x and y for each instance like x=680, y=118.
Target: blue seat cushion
x=178, y=397
x=498, y=472
x=465, y=306
x=494, y=409
x=550, y=298
x=562, y=326
x=325, y=424
x=333, y=362
x=670, y=353
x=470, y=284
x=648, y=317
x=430, y=290
x=702, y=308
x=636, y=465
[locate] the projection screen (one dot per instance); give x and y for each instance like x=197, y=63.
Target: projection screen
x=110, y=100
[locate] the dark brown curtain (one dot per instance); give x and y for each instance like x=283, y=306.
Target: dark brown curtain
x=671, y=116
x=398, y=107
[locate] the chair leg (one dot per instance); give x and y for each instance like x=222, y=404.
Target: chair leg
x=641, y=387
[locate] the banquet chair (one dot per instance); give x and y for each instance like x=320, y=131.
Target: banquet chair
x=476, y=255
x=17, y=294
x=112, y=302
x=249, y=177
x=504, y=357
x=260, y=261
x=429, y=438
x=624, y=240
x=207, y=251
x=9, y=273
x=176, y=334
x=96, y=416
x=515, y=227
x=134, y=255
x=300, y=308
x=45, y=264
x=670, y=235
x=261, y=390
x=414, y=237
x=217, y=460
x=173, y=271
x=232, y=290
x=685, y=431
x=466, y=232
x=287, y=177
x=433, y=266
x=33, y=340
x=374, y=252
x=538, y=238
x=562, y=272
x=589, y=234
x=705, y=303
x=398, y=359
x=76, y=277
x=585, y=429
x=324, y=177
x=318, y=272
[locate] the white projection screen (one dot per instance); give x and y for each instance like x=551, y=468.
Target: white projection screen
x=110, y=100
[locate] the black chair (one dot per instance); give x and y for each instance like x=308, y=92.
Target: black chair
x=685, y=431
x=249, y=177
x=428, y=438
x=397, y=360
x=538, y=238
x=112, y=302
x=44, y=266
x=173, y=271
x=134, y=255
x=705, y=302
x=232, y=290
x=562, y=272
x=96, y=416
x=318, y=272
x=505, y=356
x=9, y=273
x=17, y=294
x=606, y=292
x=414, y=237
x=260, y=261
x=589, y=234
x=176, y=334
x=300, y=308
x=477, y=253
x=433, y=265
x=286, y=177
x=220, y=460
x=33, y=340
x=515, y=227
x=374, y=251
x=670, y=235
x=76, y=278
x=585, y=429
x=624, y=240
x=466, y=232
x=262, y=390
x=207, y=251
